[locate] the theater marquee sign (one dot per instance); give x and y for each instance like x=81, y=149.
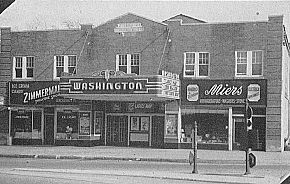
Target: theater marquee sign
x=210, y=92
x=166, y=86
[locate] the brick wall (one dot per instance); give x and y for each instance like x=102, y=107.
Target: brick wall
x=220, y=40
x=274, y=140
x=5, y=59
x=105, y=44
x=44, y=45
x=5, y=76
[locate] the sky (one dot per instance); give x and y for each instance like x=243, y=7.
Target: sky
x=62, y=14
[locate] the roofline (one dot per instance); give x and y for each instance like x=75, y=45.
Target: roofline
x=132, y=14
x=46, y=30
x=201, y=21
x=208, y=23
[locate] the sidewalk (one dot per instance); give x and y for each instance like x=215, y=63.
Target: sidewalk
x=157, y=155
x=142, y=154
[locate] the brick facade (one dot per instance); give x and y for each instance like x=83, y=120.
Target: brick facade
x=161, y=46
x=5, y=75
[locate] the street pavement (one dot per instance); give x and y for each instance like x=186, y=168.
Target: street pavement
x=156, y=155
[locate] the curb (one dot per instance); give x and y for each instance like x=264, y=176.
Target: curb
x=72, y=157
x=208, y=178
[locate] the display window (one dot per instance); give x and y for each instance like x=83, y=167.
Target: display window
x=211, y=128
x=85, y=125
x=67, y=125
x=140, y=123
x=171, y=121
x=26, y=124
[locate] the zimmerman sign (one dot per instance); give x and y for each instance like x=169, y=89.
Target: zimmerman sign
x=209, y=92
x=36, y=93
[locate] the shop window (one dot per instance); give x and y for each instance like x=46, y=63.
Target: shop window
x=23, y=67
x=128, y=63
x=85, y=125
x=249, y=63
x=211, y=128
x=171, y=124
x=67, y=122
x=64, y=63
x=196, y=64
x=26, y=124
x=139, y=123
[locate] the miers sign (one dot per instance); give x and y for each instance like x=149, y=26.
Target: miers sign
x=223, y=91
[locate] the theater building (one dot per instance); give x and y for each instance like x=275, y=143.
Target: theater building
x=119, y=87
x=136, y=82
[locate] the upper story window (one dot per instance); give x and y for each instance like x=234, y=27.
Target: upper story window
x=196, y=64
x=64, y=63
x=249, y=63
x=23, y=67
x=128, y=63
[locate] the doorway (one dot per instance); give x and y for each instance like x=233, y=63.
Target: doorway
x=257, y=138
x=48, y=129
x=117, y=130
x=157, y=139
x=238, y=132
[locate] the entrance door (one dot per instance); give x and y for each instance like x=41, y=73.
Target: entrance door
x=117, y=131
x=238, y=133
x=49, y=129
x=157, y=139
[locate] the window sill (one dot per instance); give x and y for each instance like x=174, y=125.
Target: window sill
x=23, y=79
x=249, y=77
x=197, y=77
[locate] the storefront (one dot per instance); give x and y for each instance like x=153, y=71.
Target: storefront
x=218, y=107
x=34, y=110
x=125, y=110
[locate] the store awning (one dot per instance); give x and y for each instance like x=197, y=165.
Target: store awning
x=121, y=87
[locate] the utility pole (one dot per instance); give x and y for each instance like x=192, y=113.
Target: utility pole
x=194, y=146
x=248, y=125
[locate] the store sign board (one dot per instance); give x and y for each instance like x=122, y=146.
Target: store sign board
x=83, y=86
x=166, y=85
x=210, y=92
x=36, y=92
x=129, y=27
x=135, y=107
